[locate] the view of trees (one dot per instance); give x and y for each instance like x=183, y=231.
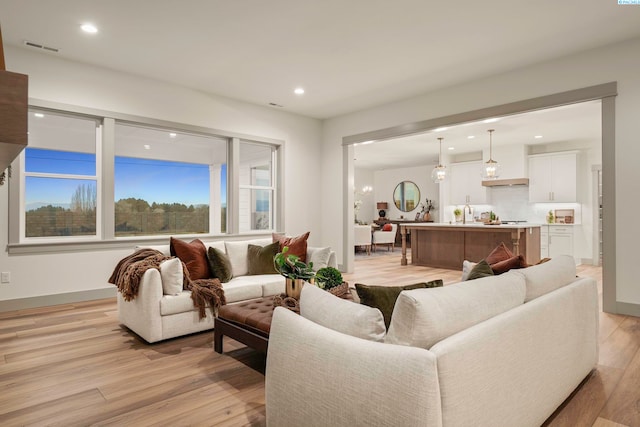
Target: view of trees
x=136, y=216
x=132, y=217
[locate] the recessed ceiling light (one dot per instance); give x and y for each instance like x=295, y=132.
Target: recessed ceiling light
x=451, y=148
x=538, y=136
x=38, y=115
x=440, y=129
x=491, y=120
x=89, y=28
x=172, y=135
x=299, y=91
x=471, y=136
x=147, y=147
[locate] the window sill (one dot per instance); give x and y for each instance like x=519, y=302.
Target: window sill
x=34, y=248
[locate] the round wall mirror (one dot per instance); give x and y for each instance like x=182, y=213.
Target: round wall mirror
x=406, y=196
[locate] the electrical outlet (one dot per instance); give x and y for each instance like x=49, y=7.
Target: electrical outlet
x=5, y=277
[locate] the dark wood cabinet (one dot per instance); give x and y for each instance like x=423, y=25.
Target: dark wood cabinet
x=13, y=116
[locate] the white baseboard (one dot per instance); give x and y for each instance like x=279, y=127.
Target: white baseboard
x=56, y=299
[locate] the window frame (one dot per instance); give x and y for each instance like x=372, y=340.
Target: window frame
x=105, y=159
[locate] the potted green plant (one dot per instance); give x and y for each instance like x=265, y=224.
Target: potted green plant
x=458, y=214
x=295, y=272
x=330, y=279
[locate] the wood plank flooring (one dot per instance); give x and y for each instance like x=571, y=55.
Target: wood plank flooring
x=74, y=365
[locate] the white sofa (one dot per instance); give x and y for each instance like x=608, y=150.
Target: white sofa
x=498, y=351
x=155, y=316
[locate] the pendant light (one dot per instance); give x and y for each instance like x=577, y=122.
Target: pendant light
x=491, y=168
x=439, y=173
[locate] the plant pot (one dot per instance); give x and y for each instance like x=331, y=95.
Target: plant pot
x=294, y=287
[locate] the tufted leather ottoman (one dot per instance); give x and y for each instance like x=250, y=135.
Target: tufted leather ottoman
x=248, y=322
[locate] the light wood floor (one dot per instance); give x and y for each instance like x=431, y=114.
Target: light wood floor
x=75, y=365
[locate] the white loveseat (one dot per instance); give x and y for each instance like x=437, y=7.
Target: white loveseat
x=497, y=351
x=155, y=316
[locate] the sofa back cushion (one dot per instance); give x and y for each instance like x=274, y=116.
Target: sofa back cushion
x=543, y=278
x=423, y=317
x=341, y=315
x=238, y=253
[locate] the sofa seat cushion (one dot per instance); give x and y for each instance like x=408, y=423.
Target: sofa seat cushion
x=543, y=278
x=423, y=317
x=174, y=304
x=249, y=287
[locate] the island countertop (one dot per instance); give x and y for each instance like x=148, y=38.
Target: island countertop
x=470, y=225
x=445, y=245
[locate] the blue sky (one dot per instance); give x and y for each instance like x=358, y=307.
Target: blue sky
x=150, y=180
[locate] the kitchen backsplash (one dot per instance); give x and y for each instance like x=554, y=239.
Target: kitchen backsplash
x=512, y=203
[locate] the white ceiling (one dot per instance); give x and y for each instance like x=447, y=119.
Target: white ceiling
x=348, y=55
x=577, y=124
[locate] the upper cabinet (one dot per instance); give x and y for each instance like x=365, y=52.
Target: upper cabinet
x=466, y=184
x=552, y=178
x=13, y=113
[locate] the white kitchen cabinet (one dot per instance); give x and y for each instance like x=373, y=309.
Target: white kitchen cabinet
x=465, y=186
x=552, y=178
x=560, y=240
x=544, y=241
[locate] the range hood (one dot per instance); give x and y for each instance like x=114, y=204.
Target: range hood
x=505, y=182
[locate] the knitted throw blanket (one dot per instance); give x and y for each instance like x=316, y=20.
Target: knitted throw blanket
x=129, y=271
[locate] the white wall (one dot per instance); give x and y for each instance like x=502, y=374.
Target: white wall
x=57, y=80
x=619, y=62
x=367, y=212
x=387, y=180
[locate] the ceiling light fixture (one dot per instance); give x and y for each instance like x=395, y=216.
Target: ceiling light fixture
x=491, y=169
x=299, y=91
x=440, y=129
x=89, y=28
x=172, y=135
x=538, y=136
x=452, y=148
x=471, y=136
x=439, y=173
x=147, y=147
x=38, y=115
x=491, y=120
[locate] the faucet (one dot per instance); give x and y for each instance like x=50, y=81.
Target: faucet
x=464, y=213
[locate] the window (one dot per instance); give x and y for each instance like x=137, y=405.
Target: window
x=86, y=178
x=61, y=179
x=256, y=186
x=155, y=194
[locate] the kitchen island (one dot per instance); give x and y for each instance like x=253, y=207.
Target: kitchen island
x=445, y=245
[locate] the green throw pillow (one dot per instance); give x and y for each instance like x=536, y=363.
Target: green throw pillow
x=384, y=297
x=481, y=269
x=260, y=259
x=219, y=265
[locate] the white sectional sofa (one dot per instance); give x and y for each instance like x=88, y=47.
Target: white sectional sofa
x=498, y=351
x=155, y=316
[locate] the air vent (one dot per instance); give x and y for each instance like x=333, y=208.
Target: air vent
x=273, y=104
x=41, y=46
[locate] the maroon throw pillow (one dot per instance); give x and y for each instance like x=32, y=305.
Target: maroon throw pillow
x=500, y=253
x=297, y=245
x=508, y=264
x=387, y=227
x=194, y=256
